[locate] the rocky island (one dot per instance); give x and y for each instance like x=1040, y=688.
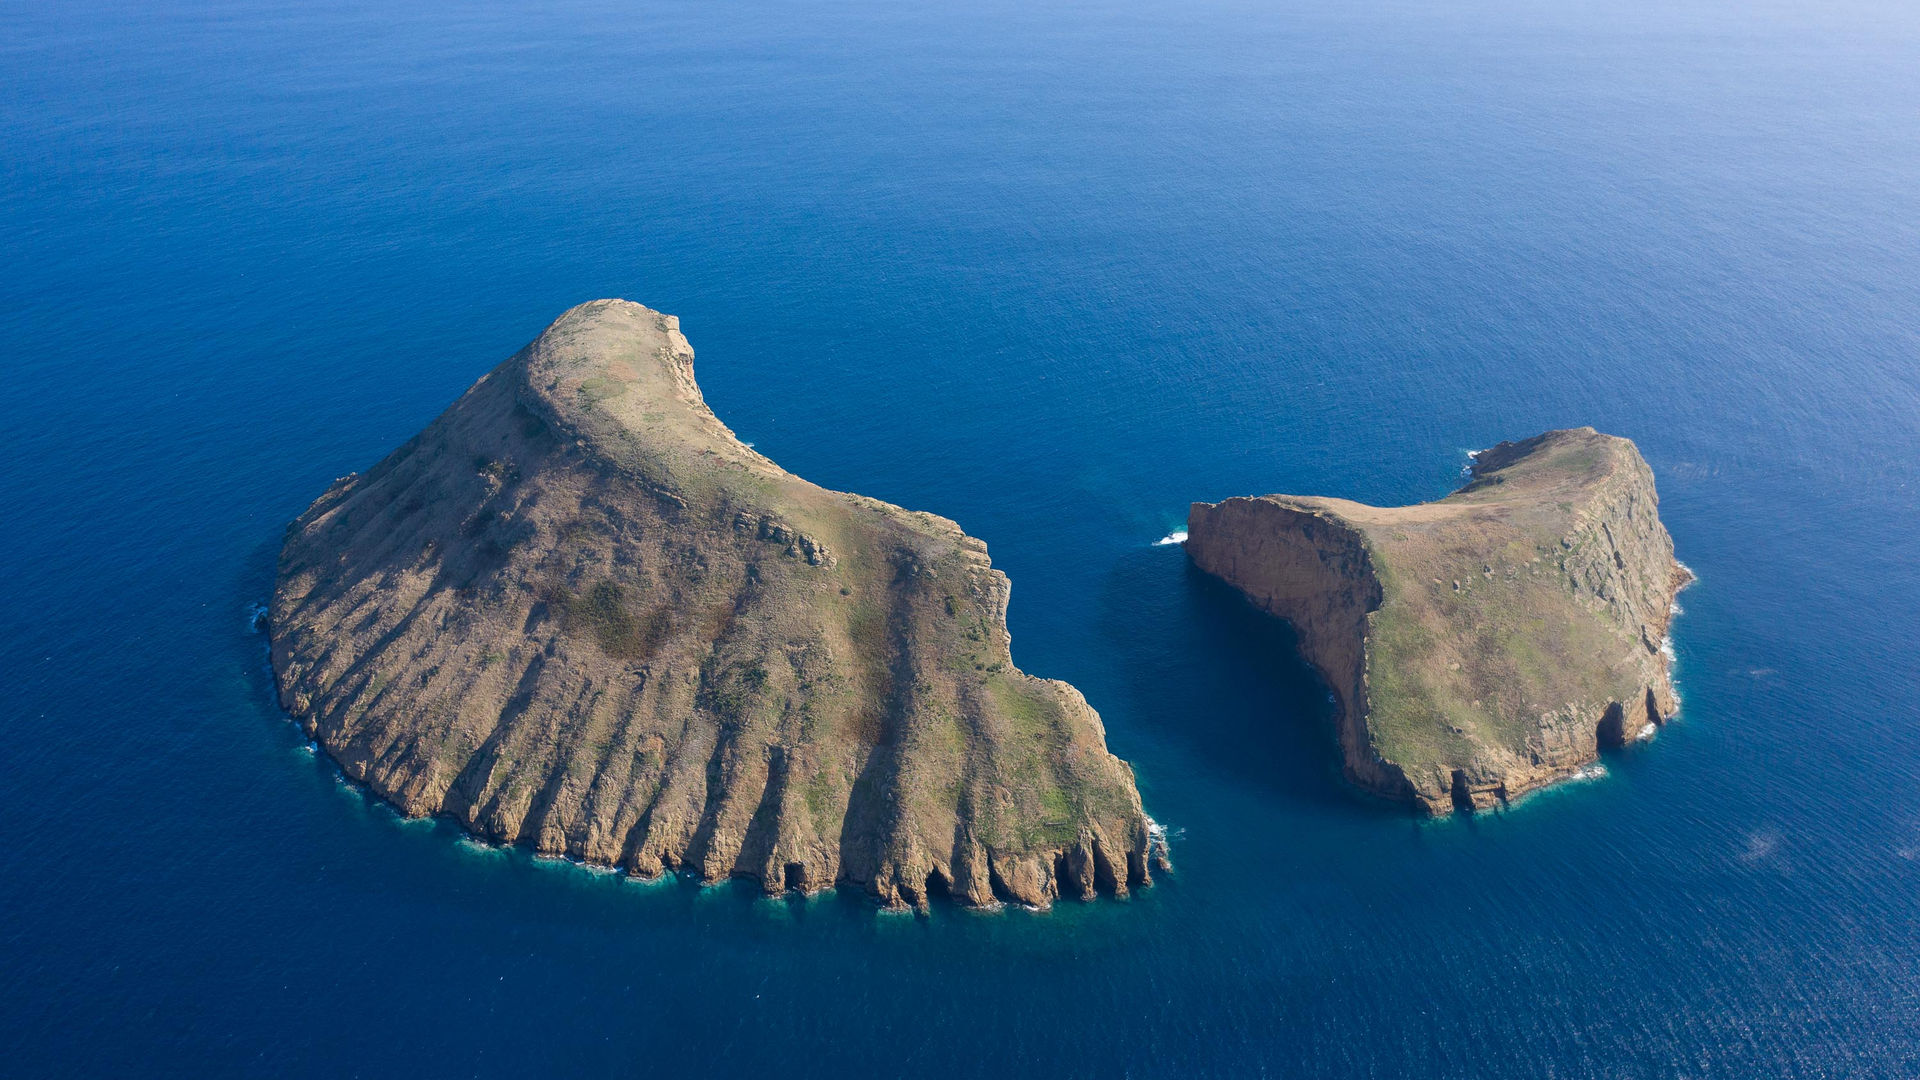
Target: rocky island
x=1483, y=645
x=576, y=613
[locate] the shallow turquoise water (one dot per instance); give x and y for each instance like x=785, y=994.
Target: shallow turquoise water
x=1053, y=273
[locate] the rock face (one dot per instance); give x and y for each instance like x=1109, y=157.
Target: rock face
x=1482, y=645
x=575, y=612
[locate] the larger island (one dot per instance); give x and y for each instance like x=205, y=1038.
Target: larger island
x=1483, y=645
x=577, y=613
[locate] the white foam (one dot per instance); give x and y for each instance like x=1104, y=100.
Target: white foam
x=1647, y=732
x=574, y=862
x=1177, y=536
x=1161, y=834
x=1761, y=846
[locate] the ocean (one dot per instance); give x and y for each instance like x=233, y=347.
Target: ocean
x=1055, y=271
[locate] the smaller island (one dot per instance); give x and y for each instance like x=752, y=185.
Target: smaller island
x=1481, y=646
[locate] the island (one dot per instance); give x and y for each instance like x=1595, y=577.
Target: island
x=1483, y=645
x=576, y=613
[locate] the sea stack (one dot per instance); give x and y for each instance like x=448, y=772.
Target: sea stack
x=576, y=613
x=1483, y=645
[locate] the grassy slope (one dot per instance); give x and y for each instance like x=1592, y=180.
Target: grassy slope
x=1482, y=628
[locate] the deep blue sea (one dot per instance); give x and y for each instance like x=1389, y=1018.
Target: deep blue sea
x=1052, y=270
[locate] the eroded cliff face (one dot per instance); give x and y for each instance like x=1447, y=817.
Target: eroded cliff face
x=1483, y=645
x=576, y=613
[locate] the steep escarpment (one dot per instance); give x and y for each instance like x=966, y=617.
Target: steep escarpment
x=1483, y=645
x=576, y=613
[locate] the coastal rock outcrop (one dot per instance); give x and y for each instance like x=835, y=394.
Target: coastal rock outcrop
x=1483, y=645
x=576, y=613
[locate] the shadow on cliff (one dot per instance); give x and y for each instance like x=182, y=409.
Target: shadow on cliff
x=1206, y=673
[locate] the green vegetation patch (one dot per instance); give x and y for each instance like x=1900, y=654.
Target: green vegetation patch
x=600, y=388
x=606, y=613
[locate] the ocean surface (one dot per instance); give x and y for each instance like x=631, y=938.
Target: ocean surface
x=1052, y=270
